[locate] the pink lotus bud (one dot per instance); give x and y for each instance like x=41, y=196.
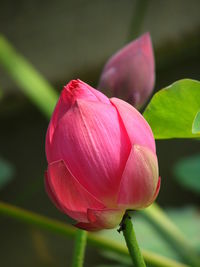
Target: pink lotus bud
x=129, y=74
x=101, y=158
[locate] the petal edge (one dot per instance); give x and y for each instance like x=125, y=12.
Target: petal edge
x=68, y=193
x=139, y=180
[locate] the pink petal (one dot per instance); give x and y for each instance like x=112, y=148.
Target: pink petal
x=67, y=193
x=102, y=219
x=93, y=142
x=136, y=126
x=156, y=192
x=59, y=110
x=129, y=74
x=101, y=97
x=75, y=89
x=140, y=179
x=51, y=194
x=88, y=226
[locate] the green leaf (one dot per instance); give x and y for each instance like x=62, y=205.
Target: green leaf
x=172, y=110
x=196, y=124
x=187, y=172
x=6, y=173
x=27, y=78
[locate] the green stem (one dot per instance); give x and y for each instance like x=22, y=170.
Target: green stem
x=42, y=222
x=137, y=19
x=172, y=234
x=131, y=241
x=79, y=251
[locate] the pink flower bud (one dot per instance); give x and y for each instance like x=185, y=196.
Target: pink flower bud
x=129, y=74
x=101, y=158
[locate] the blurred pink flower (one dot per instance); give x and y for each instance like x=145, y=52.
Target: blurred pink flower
x=101, y=158
x=129, y=74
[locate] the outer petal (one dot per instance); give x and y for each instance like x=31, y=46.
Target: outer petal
x=136, y=126
x=94, y=144
x=102, y=219
x=59, y=110
x=51, y=194
x=75, y=89
x=88, y=226
x=67, y=193
x=139, y=180
x=100, y=97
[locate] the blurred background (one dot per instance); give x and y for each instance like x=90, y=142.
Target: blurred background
x=71, y=39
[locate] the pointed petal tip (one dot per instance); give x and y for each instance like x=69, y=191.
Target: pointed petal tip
x=146, y=35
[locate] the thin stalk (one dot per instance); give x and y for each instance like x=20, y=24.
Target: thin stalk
x=55, y=226
x=131, y=241
x=79, y=251
x=172, y=234
x=140, y=8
